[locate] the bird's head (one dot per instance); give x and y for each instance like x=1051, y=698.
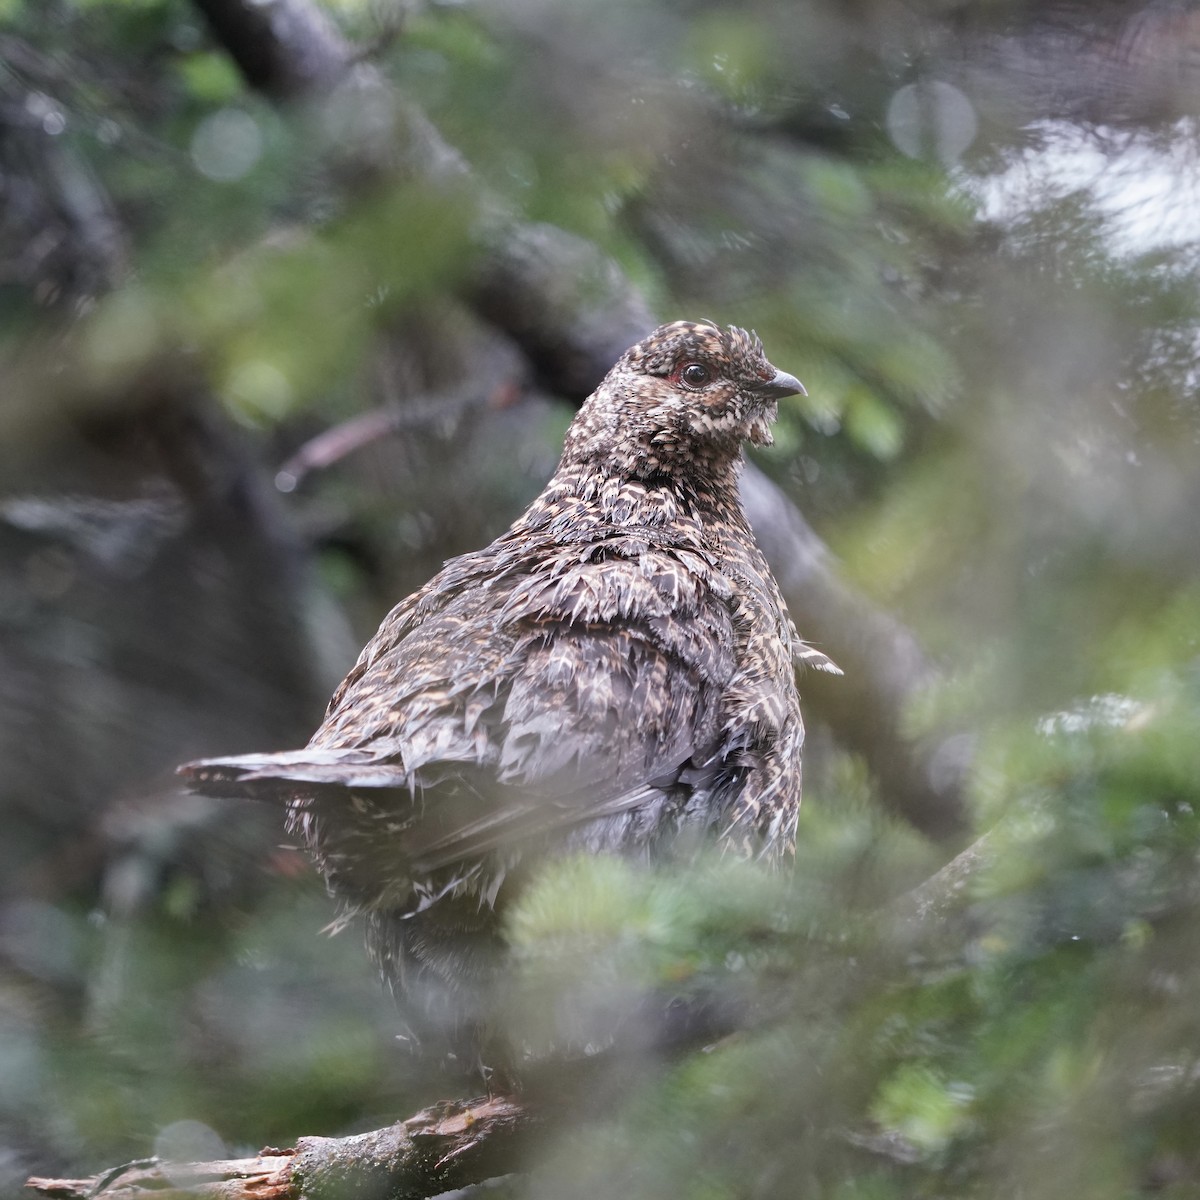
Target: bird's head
x=689, y=392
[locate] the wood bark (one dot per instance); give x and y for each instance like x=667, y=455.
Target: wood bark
x=440, y=1148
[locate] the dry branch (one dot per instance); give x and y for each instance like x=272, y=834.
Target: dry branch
x=440, y=1148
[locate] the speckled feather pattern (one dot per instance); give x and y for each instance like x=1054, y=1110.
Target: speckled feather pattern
x=614, y=673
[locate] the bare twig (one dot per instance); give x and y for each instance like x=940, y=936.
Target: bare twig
x=344, y=439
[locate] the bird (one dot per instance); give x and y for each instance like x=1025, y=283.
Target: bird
x=614, y=674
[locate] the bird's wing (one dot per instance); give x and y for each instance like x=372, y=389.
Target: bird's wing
x=519, y=705
x=620, y=663
x=461, y=578
x=614, y=679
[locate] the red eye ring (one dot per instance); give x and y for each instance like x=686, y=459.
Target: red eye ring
x=694, y=374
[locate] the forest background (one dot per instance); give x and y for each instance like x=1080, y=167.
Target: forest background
x=295, y=302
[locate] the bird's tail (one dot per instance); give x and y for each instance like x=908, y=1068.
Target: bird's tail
x=280, y=776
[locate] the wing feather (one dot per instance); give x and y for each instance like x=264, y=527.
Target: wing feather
x=517, y=703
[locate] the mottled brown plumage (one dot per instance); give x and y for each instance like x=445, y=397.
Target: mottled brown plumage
x=613, y=674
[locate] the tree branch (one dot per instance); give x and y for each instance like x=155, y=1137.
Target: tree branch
x=922, y=780
x=284, y=49
x=443, y=1147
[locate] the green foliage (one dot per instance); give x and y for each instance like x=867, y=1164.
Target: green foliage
x=1037, y=1044
x=185, y=1019
x=595, y=938
x=210, y=78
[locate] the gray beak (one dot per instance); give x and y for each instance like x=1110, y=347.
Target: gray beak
x=782, y=385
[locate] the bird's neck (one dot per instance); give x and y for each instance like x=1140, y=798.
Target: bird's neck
x=621, y=435
x=604, y=490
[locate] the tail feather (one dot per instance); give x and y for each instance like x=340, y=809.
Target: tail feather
x=273, y=776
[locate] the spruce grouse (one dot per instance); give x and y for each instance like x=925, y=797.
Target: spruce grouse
x=613, y=674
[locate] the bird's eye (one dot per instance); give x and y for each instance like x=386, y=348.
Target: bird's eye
x=695, y=374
